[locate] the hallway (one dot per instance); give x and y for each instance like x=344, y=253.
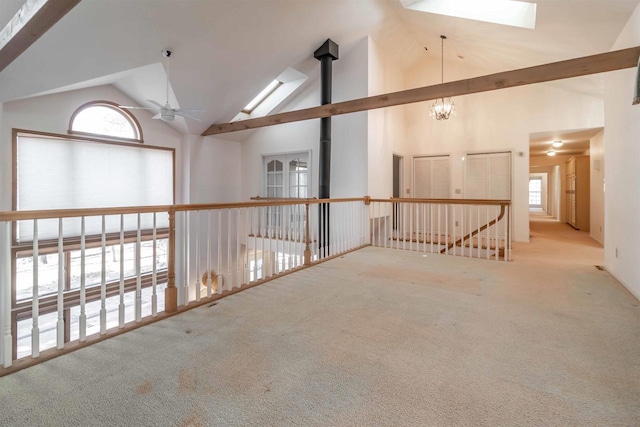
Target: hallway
x=558, y=243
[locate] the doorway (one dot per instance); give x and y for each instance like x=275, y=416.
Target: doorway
x=397, y=186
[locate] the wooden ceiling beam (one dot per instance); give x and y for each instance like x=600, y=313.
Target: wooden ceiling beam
x=33, y=19
x=594, y=64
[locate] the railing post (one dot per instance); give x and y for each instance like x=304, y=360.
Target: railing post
x=171, y=292
x=307, y=239
x=5, y=294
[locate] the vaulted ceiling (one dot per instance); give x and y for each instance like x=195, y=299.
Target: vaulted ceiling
x=225, y=52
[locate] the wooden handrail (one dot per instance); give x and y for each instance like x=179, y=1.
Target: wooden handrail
x=447, y=201
x=593, y=64
x=73, y=213
x=476, y=232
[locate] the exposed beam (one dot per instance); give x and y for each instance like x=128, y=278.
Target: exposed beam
x=604, y=62
x=33, y=19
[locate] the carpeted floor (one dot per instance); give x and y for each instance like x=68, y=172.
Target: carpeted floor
x=377, y=337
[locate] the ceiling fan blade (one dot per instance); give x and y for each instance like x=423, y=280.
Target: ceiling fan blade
x=135, y=108
x=189, y=110
x=157, y=104
x=187, y=115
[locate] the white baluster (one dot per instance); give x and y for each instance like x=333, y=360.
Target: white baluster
x=185, y=259
x=103, y=281
x=83, y=283
x=424, y=227
x=495, y=233
x=121, y=306
x=154, y=271
x=431, y=226
x=255, y=212
x=209, y=275
x=446, y=228
x=410, y=205
x=198, y=286
x=453, y=227
x=229, y=273
x=237, y=282
x=5, y=287
x=486, y=232
x=470, y=231
x=138, y=305
x=35, y=312
x=478, y=228
x=60, y=323
x=219, y=267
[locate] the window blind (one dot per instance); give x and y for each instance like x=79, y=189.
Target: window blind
x=57, y=173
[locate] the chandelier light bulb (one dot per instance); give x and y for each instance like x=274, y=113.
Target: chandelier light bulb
x=442, y=109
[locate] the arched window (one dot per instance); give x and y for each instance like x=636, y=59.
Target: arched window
x=105, y=119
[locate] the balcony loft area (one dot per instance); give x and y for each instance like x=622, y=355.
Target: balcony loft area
x=73, y=277
x=377, y=334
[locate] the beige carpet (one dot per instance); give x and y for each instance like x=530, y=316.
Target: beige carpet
x=378, y=337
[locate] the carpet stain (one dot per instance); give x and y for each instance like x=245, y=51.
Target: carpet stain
x=187, y=381
x=195, y=419
x=145, y=387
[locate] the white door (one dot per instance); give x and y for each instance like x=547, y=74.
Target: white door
x=430, y=181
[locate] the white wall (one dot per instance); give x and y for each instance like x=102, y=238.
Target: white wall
x=385, y=126
x=497, y=121
x=349, y=132
x=596, y=199
x=215, y=170
x=622, y=147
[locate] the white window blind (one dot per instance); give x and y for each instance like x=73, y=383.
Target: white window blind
x=56, y=173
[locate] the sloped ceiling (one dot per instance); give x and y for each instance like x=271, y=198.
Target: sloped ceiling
x=225, y=52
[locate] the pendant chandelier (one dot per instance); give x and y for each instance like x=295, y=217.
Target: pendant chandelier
x=442, y=108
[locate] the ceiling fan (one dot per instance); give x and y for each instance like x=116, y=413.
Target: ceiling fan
x=165, y=112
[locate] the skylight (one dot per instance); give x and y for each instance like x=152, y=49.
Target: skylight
x=271, y=87
x=505, y=12
x=275, y=94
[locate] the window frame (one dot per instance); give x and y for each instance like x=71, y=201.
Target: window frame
x=539, y=179
x=22, y=308
x=133, y=121
x=285, y=158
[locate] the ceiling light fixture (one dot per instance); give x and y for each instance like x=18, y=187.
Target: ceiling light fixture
x=442, y=108
x=557, y=144
x=551, y=153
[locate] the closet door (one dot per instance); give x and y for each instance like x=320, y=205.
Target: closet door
x=488, y=176
x=430, y=181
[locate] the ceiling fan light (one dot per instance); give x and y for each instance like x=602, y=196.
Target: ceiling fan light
x=557, y=144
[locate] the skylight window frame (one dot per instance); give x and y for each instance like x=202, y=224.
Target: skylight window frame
x=514, y=13
x=262, y=96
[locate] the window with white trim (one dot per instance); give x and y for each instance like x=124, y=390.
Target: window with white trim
x=105, y=119
x=66, y=172
x=287, y=175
